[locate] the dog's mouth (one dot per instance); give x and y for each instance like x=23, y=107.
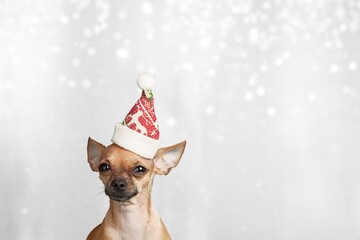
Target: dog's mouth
x=120, y=197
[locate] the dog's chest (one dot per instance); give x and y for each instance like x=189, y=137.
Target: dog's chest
x=128, y=228
x=125, y=234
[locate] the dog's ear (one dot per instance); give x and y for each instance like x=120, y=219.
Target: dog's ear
x=167, y=158
x=94, y=150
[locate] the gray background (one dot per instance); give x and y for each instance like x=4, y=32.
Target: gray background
x=265, y=92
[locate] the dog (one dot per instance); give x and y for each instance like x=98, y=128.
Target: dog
x=128, y=180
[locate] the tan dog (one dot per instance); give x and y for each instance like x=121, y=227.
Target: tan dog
x=128, y=180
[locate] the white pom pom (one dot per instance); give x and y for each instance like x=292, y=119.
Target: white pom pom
x=146, y=81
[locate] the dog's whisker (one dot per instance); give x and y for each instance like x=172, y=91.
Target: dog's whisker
x=101, y=192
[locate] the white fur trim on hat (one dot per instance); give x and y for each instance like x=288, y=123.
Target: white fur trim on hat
x=134, y=141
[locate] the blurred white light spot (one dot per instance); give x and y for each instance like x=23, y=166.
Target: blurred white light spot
x=254, y=36
x=24, y=211
x=315, y=67
x=211, y=72
x=215, y=58
x=103, y=16
x=171, y=122
x=328, y=44
x=259, y=184
x=140, y=67
x=151, y=69
x=54, y=49
x=294, y=38
x=252, y=80
x=266, y=5
x=122, y=15
x=150, y=36
x=334, y=68
x=10, y=50
x=312, y=97
x=205, y=42
x=260, y=91
x=187, y=66
x=122, y=53
x=61, y=79
x=16, y=59
x=33, y=31
x=348, y=90
x=271, y=111
x=166, y=28
x=307, y=36
x=286, y=55
x=71, y=83
x=45, y=66
x=243, y=54
x=83, y=45
x=91, y=51
x=97, y=29
x=352, y=66
x=297, y=110
x=64, y=19
x=177, y=68
x=264, y=67
x=127, y=42
x=117, y=36
x=9, y=85
x=86, y=83
x=184, y=49
x=210, y=110
x=76, y=16
x=339, y=44
x=147, y=8
x=222, y=45
x=354, y=25
x=279, y=61
x=343, y=27
x=76, y=62
x=149, y=31
x=249, y=96
x=87, y=33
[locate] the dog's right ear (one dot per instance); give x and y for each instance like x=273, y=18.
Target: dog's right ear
x=94, y=150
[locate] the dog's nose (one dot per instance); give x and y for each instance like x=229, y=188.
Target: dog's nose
x=119, y=184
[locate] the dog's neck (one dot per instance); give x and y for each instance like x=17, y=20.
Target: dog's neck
x=127, y=221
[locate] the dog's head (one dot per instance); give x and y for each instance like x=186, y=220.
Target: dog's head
x=127, y=176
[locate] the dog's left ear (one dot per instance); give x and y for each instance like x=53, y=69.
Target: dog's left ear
x=167, y=158
x=94, y=150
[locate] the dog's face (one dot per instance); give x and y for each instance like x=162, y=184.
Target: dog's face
x=124, y=173
x=127, y=177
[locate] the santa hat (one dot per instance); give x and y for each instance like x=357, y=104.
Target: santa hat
x=139, y=131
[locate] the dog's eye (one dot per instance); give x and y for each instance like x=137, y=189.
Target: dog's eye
x=104, y=167
x=140, y=169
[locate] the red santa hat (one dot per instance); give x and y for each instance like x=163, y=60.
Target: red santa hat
x=139, y=131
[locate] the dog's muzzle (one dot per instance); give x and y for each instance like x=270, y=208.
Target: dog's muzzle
x=120, y=190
